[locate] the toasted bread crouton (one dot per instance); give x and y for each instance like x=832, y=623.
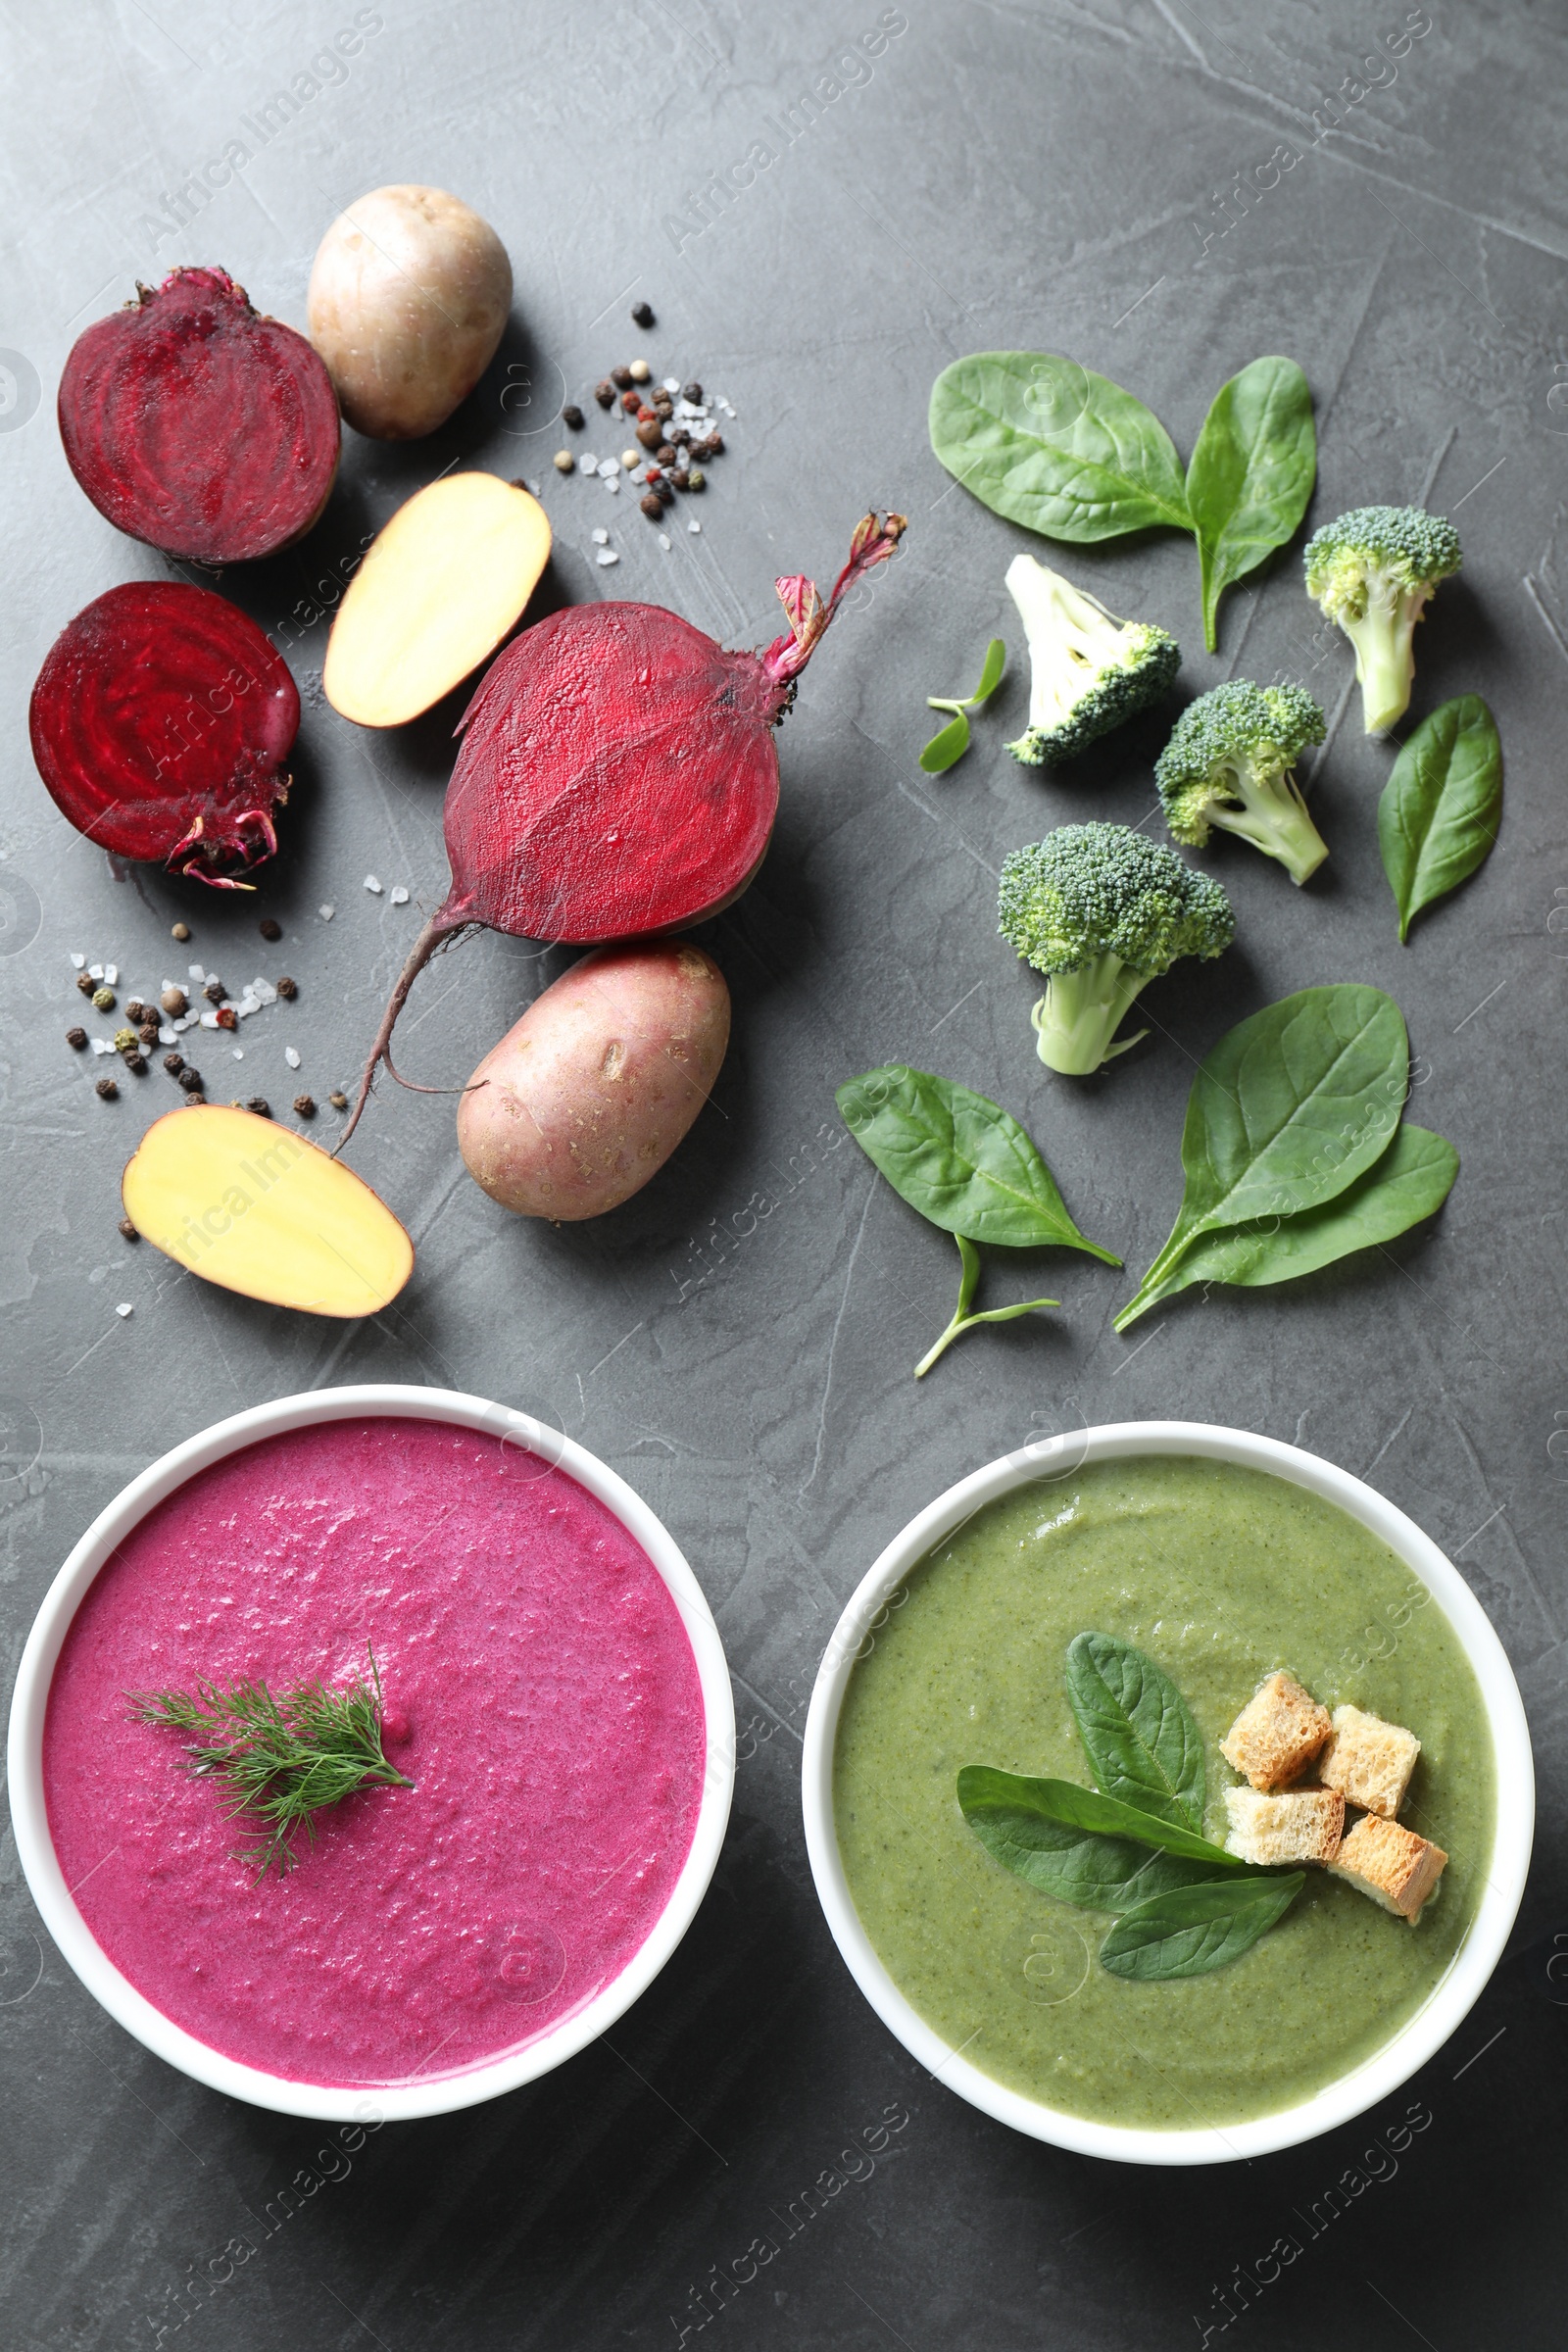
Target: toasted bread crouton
x=1277, y=1734
x=1304, y=1825
x=1390, y=1863
x=1371, y=1761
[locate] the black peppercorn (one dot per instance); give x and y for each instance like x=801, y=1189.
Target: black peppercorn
x=652, y=507
x=270, y=927
x=136, y=1062
x=304, y=1106
x=86, y=983
x=136, y=1009
x=129, y=1230
x=77, y=1038
x=664, y=493
x=692, y=392
x=108, y=1088
x=604, y=393
x=287, y=990
x=174, y=1063
x=571, y=416
x=620, y=378
x=190, y=1080
x=681, y=478
x=642, y=314
x=215, y=992
x=148, y=1033
x=260, y=1104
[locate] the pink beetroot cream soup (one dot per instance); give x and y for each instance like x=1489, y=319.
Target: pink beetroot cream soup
x=540, y=1692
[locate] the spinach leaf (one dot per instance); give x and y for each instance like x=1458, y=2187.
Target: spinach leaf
x=1079, y=1808
x=1137, y=1728
x=1411, y=1181
x=1250, y=475
x=1191, y=1929
x=959, y=1159
x=1288, y=1109
x=1438, y=814
x=1056, y=446
x=1077, y=1866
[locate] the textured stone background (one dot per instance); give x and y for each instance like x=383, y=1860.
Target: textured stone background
x=739, y=1341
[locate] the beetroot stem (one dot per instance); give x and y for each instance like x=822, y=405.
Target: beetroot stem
x=441, y=931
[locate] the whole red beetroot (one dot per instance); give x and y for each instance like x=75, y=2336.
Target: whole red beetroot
x=159, y=723
x=619, y=775
x=197, y=425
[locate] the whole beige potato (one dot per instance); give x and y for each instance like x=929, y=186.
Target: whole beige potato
x=587, y=1097
x=408, y=297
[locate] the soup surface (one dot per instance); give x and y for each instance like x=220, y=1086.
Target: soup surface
x=541, y=1693
x=1221, y=1573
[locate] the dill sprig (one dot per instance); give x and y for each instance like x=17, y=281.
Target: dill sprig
x=280, y=1758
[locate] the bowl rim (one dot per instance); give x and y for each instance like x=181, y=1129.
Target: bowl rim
x=436, y=2094
x=1058, y=1457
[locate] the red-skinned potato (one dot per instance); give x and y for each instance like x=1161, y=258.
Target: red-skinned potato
x=408, y=296
x=587, y=1097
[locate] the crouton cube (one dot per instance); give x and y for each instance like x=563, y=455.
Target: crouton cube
x=1369, y=1760
x=1277, y=1734
x=1304, y=1825
x=1390, y=1863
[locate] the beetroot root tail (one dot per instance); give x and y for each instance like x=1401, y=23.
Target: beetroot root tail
x=439, y=932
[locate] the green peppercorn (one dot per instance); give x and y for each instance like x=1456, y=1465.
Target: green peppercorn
x=103, y=1000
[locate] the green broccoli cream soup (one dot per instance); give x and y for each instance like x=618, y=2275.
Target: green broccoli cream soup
x=1222, y=1575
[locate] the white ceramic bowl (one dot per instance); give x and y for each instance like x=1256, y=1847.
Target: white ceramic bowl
x=1446, y=2008
x=440, y=2094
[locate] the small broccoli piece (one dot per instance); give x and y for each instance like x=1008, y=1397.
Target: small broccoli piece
x=1088, y=670
x=1373, y=572
x=1100, y=911
x=1229, y=762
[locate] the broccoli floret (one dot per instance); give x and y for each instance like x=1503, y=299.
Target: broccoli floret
x=1373, y=572
x=1101, y=910
x=1088, y=670
x=1229, y=762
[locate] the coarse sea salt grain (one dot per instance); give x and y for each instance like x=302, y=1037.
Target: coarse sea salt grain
x=291, y=1055
x=604, y=556
x=100, y=1045
x=588, y=465
x=110, y=973
x=194, y=972
x=400, y=897
x=672, y=383
x=327, y=913
x=663, y=540
x=239, y=1052
x=373, y=886
x=125, y=1308
x=79, y=962
x=165, y=1035
x=612, y=481
x=694, y=524
x=601, y=537
x=95, y=971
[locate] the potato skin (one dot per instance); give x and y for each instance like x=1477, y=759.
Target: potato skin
x=587, y=1097
x=408, y=297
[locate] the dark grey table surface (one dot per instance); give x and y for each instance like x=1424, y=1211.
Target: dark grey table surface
x=738, y=1341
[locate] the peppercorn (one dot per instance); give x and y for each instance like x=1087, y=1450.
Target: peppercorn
x=175, y=1002
x=180, y=931
x=215, y=992
x=148, y=1033
x=691, y=392
x=564, y=462
x=135, y=1011
x=76, y=1039
x=108, y=1088
x=174, y=1063
x=696, y=479
x=103, y=1000
x=126, y=1041
x=664, y=455
x=605, y=392
x=86, y=983
x=227, y=1017
x=652, y=506
x=304, y=1106
x=639, y=371
x=642, y=314
x=620, y=378
x=337, y=1100
x=631, y=404
x=136, y=1062
x=681, y=478
x=260, y=1104
x=662, y=491
x=270, y=927
x=129, y=1230
x=190, y=1080
x=680, y=437
x=287, y=990
x=650, y=432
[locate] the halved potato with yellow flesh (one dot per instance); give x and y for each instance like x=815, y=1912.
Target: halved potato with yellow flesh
x=437, y=591
x=256, y=1208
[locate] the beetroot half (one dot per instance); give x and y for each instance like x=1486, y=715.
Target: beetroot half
x=159, y=723
x=619, y=775
x=197, y=425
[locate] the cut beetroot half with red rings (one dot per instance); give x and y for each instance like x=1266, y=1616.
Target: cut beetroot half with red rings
x=159, y=722
x=199, y=427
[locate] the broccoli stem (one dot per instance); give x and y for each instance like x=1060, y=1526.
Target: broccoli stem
x=1270, y=812
x=1080, y=1012
x=1385, y=657
x=962, y=1320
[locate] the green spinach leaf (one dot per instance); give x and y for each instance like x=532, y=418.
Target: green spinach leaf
x=1190, y=1930
x=1137, y=1728
x=1287, y=1110
x=1439, y=810
x=1077, y=1866
x=1056, y=446
x=1411, y=1181
x=959, y=1159
x=1079, y=1808
x=1250, y=475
